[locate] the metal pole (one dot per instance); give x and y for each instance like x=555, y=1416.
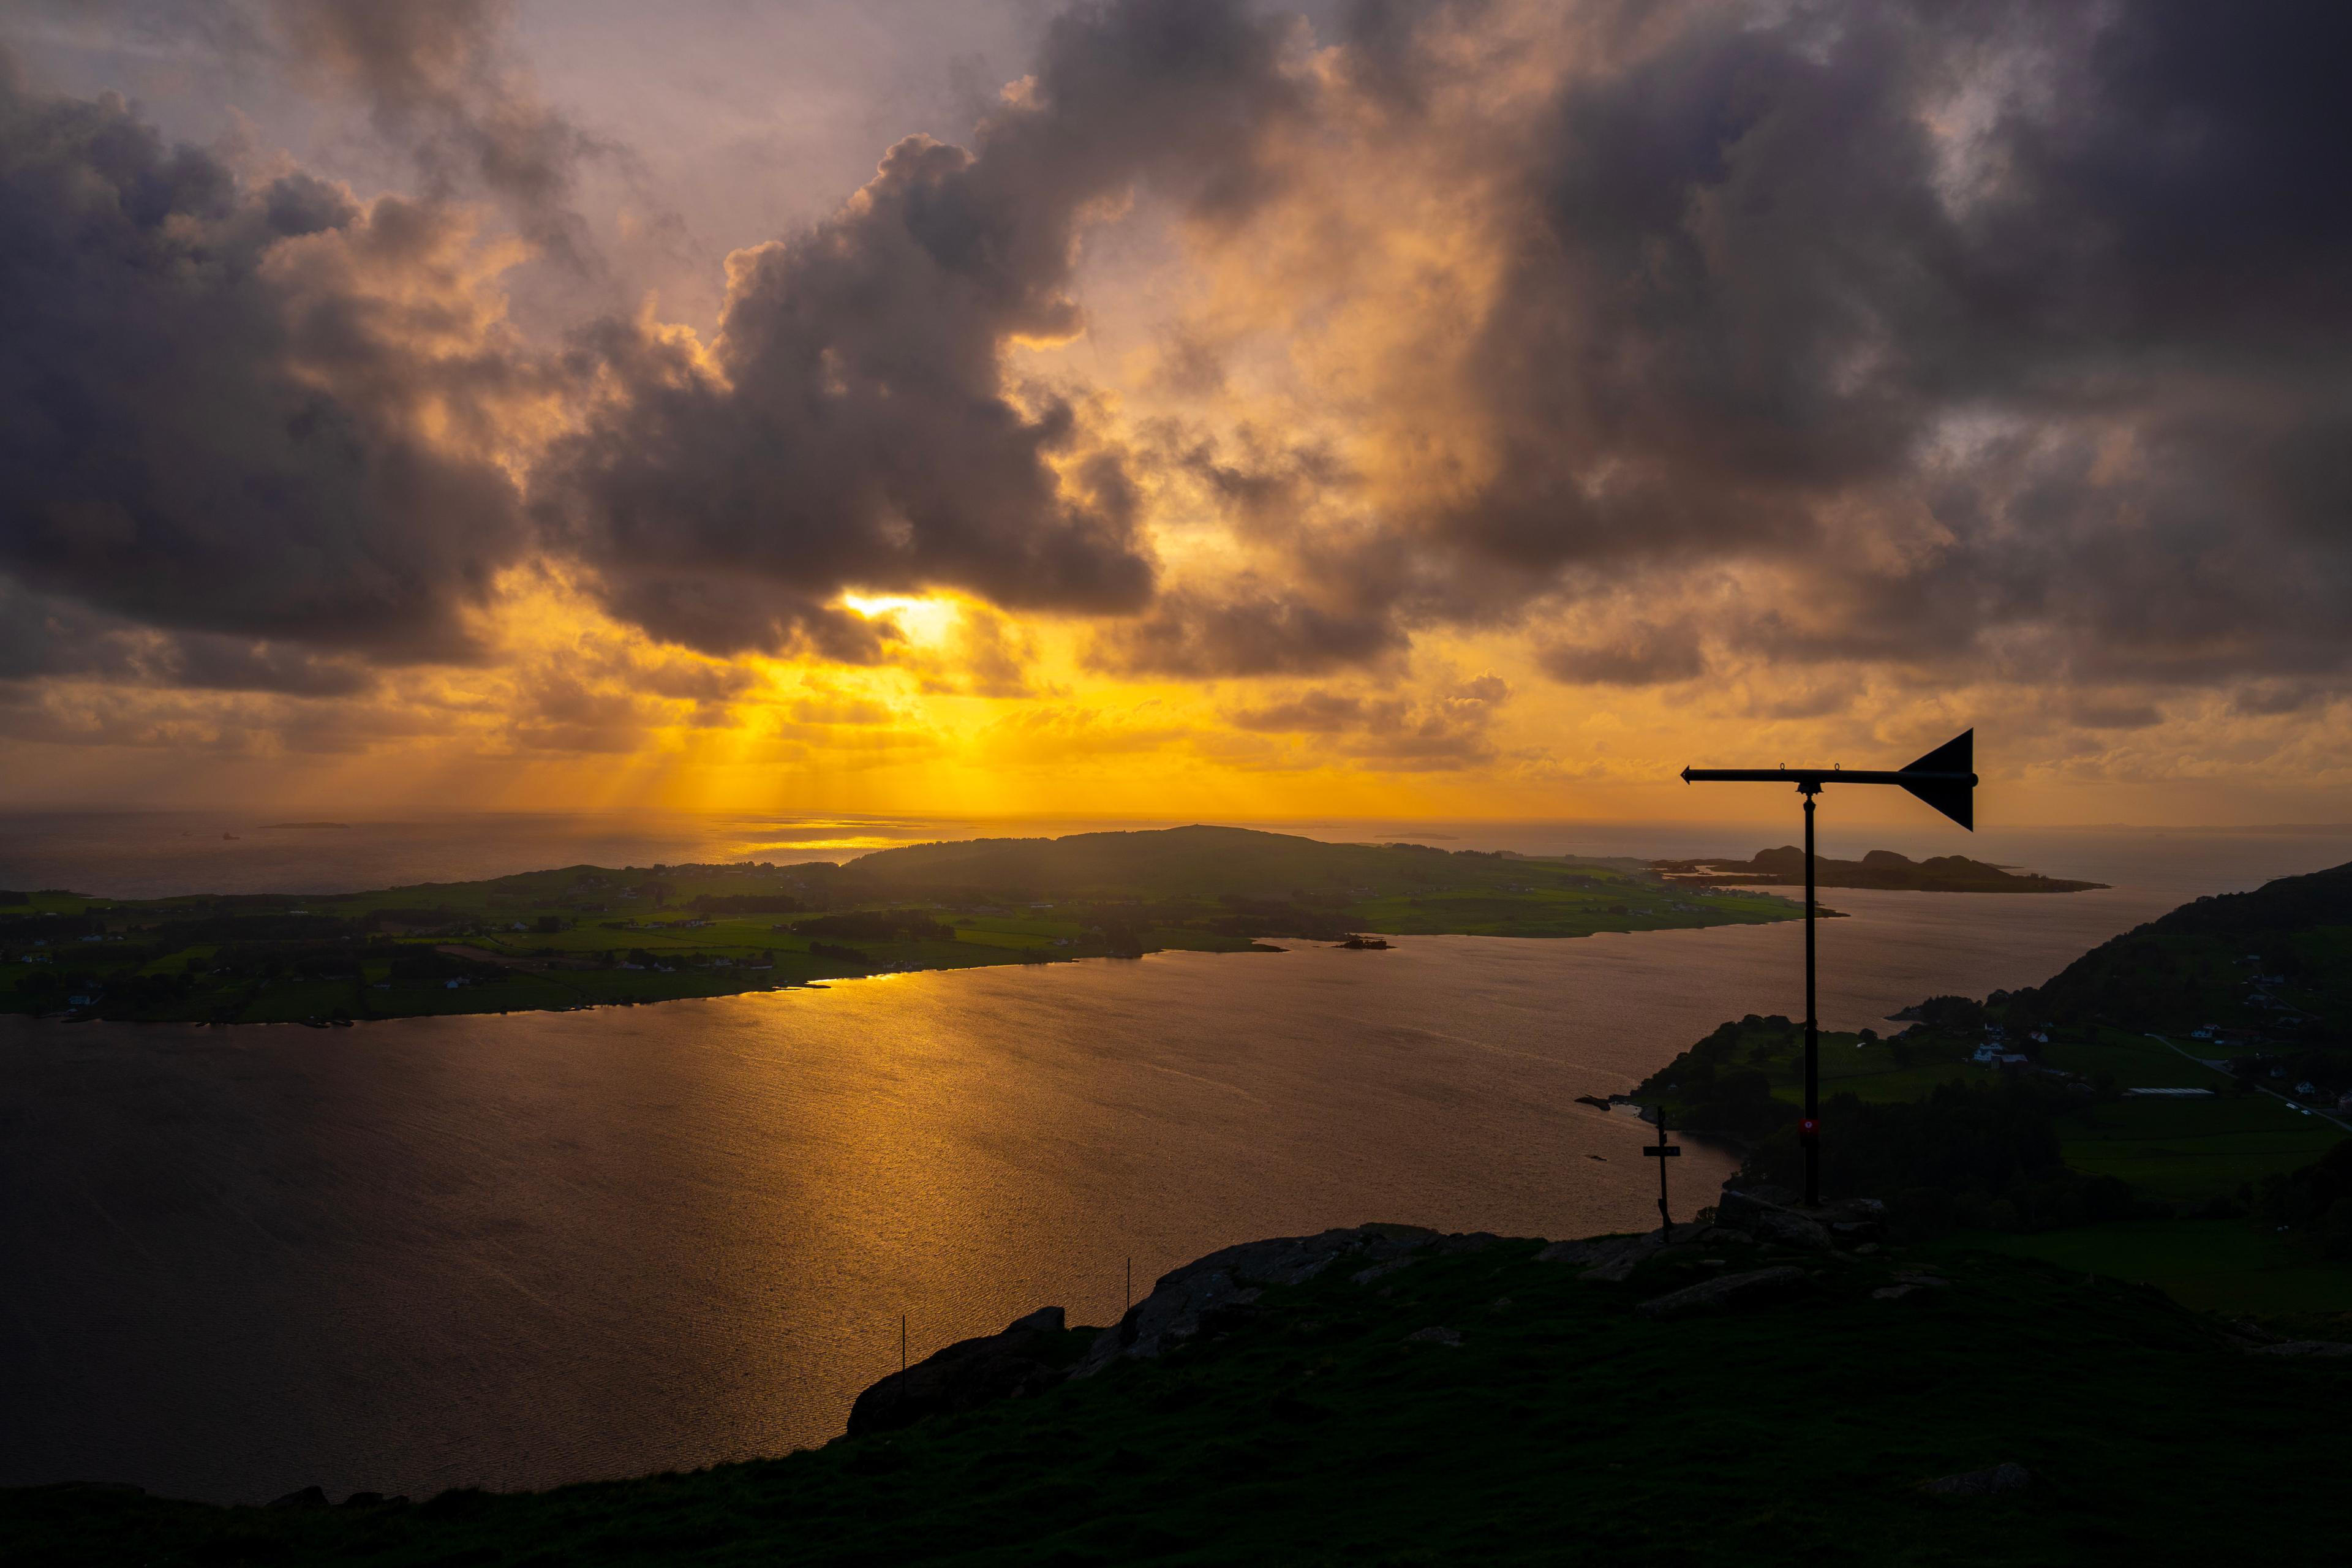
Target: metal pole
x=1665, y=1220
x=1811, y=1131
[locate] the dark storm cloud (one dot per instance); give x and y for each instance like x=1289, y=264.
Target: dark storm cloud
x=1775, y=294
x=2049, y=296
x=1641, y=655
x=1248, y=628
x=1996, y=340
x=207, y=429
x=853, y=427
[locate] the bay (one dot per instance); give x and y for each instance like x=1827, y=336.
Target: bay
x=516, y=1251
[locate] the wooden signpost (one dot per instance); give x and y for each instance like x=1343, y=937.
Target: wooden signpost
x=1662, y=1151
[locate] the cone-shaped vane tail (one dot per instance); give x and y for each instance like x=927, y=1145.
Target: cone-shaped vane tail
x=1954, y=794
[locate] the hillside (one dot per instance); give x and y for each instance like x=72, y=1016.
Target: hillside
x=2270, y=969
x=1202, y=862
x=1470, y=1401
x=2173, y=1098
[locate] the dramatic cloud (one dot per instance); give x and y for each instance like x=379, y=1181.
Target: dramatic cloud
x=1444, y=731
x=853, y=424
x=1235, y=384
x=1641, y=655
x=2002, y=335
x=265, y=413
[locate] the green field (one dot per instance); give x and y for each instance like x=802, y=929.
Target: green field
x=2223, y=1265
x=1561, y=1428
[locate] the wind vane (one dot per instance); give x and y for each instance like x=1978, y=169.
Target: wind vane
x=1946, y=779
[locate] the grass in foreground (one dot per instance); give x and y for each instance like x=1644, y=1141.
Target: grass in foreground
x=2228, y=1266
x=1561, y=1428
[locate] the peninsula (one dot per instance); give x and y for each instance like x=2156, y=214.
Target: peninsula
x=1879, y=869
x=591, y=935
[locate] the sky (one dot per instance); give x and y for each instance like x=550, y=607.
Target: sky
x=1173, y=409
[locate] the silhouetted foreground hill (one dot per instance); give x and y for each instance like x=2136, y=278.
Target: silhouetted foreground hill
x=1467, y=1400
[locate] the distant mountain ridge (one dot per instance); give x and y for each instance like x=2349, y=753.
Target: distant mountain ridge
x=1196, y=861
x=1879, y=869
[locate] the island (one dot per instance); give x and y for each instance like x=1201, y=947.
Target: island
x=589, y=935
x=1879, y=869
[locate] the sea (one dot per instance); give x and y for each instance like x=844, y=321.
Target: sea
x=514, y=1251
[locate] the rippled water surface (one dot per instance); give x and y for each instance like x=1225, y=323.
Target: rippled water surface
x=515, y=1251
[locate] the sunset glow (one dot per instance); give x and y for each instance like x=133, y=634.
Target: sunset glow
x=1371, y=425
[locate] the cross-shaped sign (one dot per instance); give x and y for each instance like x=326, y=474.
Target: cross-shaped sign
x=1662, y=1151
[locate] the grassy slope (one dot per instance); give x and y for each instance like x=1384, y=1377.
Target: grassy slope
x=2197, y=965
x=1562, y=1428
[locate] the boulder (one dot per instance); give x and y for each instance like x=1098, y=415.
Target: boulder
x=1189, y=1301
x=1611, y=1258
x=1030, y=1356
x=1724, y=1294
x=1775, y=1223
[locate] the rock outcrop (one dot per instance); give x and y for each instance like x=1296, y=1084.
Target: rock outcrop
x=1030, y=1356
x=1770, y=1216
x=1195, y=1299
x=1219, y=1291
x=1613, y=1258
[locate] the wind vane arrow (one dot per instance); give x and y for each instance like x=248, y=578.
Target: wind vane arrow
x=1945, y=779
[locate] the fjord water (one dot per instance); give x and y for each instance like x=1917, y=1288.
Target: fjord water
x=521, y=1250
